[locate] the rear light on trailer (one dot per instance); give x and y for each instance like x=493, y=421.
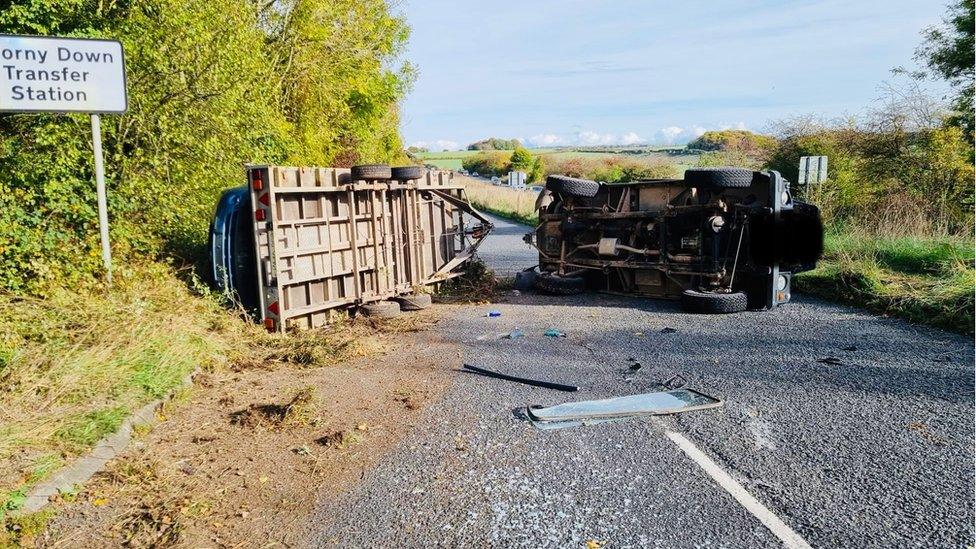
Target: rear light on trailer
x=269, y=324
x=259, y=215
x=256, y=182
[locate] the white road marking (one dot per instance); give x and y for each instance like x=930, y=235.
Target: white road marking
x=779, y=528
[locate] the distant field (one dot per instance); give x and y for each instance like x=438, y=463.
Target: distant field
x=451, y=160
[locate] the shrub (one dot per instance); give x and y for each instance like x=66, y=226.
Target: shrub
x=888, y=180
x=488, y=163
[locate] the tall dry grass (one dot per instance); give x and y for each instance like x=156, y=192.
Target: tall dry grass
x=501, y=200
x=610, y=169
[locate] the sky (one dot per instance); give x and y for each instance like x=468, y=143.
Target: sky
x=622, y=72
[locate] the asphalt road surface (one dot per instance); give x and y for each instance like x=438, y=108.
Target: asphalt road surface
x=872, y=449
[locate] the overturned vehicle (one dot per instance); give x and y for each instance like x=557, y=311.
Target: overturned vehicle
x=722, y=240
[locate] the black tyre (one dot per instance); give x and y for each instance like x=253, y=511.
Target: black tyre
x=551, y=283
x=371, y=171
x=571, y=186
x=713, y=303
x=719, y=178
x=415, y=302
x=407, y=173
x=381, y=309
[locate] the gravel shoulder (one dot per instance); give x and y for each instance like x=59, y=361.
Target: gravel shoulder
x=855, y=430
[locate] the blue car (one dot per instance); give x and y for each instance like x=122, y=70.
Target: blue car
x=231, y=249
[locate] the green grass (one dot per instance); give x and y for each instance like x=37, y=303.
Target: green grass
x=82, y=431
x=925, y=280
x=75, y=364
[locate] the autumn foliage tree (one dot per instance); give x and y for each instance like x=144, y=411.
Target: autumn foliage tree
x=213, y=84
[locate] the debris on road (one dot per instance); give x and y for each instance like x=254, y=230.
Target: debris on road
x=850, y=348
x=676, y=381
x=668, y=330
x=515, y=334
x=552, y=332
x=533, y=382
x=648, y=404
x=832, y=360
x=493, y=314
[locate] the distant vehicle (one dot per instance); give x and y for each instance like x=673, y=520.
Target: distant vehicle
x=494, y=179
x=475, y=174
x=516, y=180
x=535, y=188
x=722, y=240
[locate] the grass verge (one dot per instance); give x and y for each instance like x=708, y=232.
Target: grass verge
x=75, y=364
x=925, y=280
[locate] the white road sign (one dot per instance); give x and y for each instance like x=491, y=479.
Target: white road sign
x=55, y=74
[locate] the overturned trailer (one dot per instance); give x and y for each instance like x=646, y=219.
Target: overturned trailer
x=294, y=244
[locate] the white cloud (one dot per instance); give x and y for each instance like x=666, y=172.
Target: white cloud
x=544, y=140
x=631, y=138
x=435, y=146
x=671, y=133
x=593, y=138
x=445, y=145
x=737, y=126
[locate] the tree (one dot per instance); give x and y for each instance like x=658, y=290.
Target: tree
x=948, y=50
x=521, y=159
x=495, y=144
x=732, y=140
x=212, y=85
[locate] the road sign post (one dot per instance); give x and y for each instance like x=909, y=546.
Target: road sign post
x=96, y=127
x=67, y=75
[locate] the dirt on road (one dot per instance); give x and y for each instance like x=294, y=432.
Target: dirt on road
x=241, y=459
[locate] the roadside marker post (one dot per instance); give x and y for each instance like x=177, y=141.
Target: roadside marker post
x=67, y=75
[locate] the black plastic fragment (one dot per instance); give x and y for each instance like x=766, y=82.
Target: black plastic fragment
x=533, y=382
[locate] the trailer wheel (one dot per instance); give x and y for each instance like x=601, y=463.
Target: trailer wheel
x=719, y=178
x=381, y=309
x=571, y=186
x=551, y=283
x=371, y=171
x=415, y=302
x=713, y=302
x=407, y=173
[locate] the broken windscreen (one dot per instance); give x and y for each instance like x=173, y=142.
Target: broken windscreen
x=668, y=402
